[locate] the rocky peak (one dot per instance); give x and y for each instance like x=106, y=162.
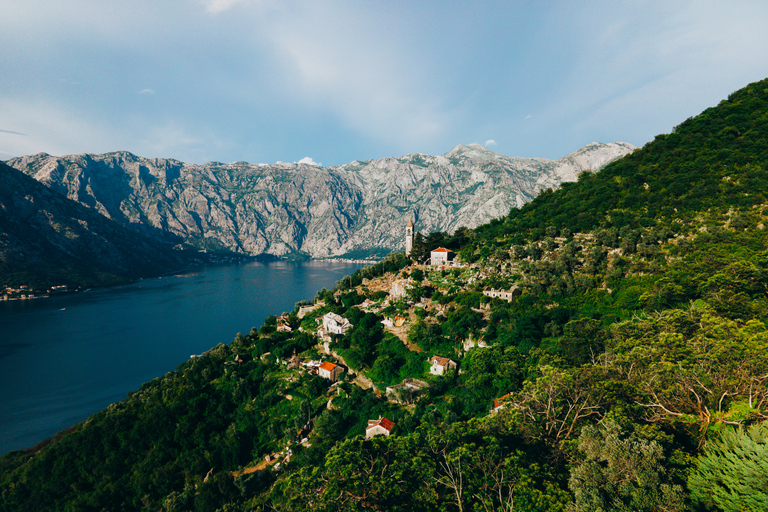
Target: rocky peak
x=290, y=208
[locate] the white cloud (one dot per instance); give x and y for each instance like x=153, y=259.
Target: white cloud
x=217, y=6
x=642, y=70
x=490, y=142
x=362, y=72
x=307, y=160
x=147, y=91
x=50, y=128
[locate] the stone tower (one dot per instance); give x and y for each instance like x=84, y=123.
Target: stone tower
x=408, y=237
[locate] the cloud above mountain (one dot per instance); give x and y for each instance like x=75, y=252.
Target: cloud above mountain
x=261, y=80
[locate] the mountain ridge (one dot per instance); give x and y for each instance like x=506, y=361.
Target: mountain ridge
x=47, y=239
x=290, y=209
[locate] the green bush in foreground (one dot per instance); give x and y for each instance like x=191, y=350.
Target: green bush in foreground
x=732, y=474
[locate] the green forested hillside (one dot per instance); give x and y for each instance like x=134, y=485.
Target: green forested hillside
x=630, y=373
x=48, y=240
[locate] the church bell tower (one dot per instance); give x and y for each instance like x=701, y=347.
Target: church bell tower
x=408, y=237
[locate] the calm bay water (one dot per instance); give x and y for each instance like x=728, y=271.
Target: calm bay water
x=67, y=357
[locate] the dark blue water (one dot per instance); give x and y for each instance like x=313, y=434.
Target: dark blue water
x=67, y=357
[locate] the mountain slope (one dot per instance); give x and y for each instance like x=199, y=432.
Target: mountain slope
x=47, y=239
x=620, y=378
x=288, y=209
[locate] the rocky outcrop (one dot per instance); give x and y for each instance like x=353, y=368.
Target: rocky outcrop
x=286, y=209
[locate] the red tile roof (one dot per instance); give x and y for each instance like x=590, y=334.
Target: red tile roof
x=384, y=423
x=326, y=365
x=442, y=361
x=442, y=249
x=501, y=400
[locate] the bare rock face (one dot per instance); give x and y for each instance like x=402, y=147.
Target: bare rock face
x=286, y=209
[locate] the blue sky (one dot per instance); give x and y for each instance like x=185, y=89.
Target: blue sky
x=335, y=81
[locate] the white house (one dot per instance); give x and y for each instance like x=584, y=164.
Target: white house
x=441, y=257
x=381, y=426
x=330, y=371
x=440, y=365
x=335, y=324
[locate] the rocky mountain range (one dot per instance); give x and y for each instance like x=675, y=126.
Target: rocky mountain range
x=47, y=239
x=355, y=209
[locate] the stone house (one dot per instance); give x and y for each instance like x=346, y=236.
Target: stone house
x=330, y=371
x=440, y=365
x=335, y=324
x=398, y=288
x=441, y=257
x=406, y=390
x=472, y=343
x=381, y=426
x=507, y=295
x=305, y=310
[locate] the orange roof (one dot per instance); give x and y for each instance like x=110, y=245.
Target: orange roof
x=326, y=365
x=442, y=249
x=501, y=400
x=386, y=424
x=442, y=361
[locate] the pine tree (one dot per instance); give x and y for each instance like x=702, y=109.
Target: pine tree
x=732, y=474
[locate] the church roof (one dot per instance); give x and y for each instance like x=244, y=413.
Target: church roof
x=410, y=224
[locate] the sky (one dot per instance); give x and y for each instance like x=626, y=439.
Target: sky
x=332, y=81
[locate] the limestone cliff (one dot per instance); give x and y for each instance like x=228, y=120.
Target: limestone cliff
x=47, y=239
x=286, y=209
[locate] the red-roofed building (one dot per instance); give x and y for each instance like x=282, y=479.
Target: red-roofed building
x=330, y=371
x=499, y=403
x=440, y=257
x=381, y=426
x=440, y=365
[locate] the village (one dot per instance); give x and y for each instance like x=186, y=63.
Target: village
x=393, y=298
x=25, y=292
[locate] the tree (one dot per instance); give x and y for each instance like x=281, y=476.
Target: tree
x=622, y=473
x=694, y=366
x=419, y=252
x=552, y=406
x=495, y=371
x=732, y=473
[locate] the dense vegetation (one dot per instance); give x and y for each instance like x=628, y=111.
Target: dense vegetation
x=632, y=370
